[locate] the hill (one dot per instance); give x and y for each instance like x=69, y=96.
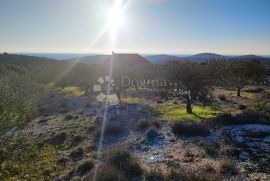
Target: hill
x=93, y=59
x=122, y=60
x=23, y=59
x=159, y=59
x=205, y=56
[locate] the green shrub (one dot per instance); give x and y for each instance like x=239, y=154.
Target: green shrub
x=85, y=167
x=122, y=160
x=106, y=172
x=246, y=117
x=151, y=134
x=22, y=158
x=242, y=107
x=154, y=175
x=143, y=123
x=227, y=167
x=222, y=97
x=114, y=129
x=59, y=138
x=182, y=174
x=77, y=154
x=186, y=128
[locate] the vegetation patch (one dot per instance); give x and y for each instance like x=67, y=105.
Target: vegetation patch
x=152, y=133
x=154, y=174
x=76, y=91
x=22, y=159
x=178, y=112
x=85, y=167
x=131, y=100
x=121, y=160
x=246, y=117
x=187, y=128
x=227, y=167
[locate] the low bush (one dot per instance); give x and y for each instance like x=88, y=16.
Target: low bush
x=106, y=172
x=246, y=117
x=143, y=123
x=154, y=175
x=71, y=116
x=242, y=107
x=77, y=154
x=114, y=129
x=76, y=140
x=180, y=174
x=59, y=138
x=151, y=134
x=222, y=97
x=187, y=128
x=85, y=167
x=255, y=90
x=146, y=123
x=227, y=167
x=122, y=160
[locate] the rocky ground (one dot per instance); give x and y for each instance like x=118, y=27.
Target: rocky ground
x=74, y=123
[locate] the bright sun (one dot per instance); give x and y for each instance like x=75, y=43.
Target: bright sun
x=116, y=16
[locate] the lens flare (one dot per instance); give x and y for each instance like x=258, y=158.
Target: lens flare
x=116, y=17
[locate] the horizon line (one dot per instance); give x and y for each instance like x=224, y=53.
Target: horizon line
x=131, y=52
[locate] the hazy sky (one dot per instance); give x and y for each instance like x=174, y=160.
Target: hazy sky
x=150, y=26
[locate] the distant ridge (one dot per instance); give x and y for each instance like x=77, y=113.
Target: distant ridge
x=202, y=56
x=92, y=59
x=162, y=58
x=122, y=60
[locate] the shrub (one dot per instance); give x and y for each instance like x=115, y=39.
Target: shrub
x=123, y=161
x=242, y=107
x=146, y=123
x=209, y=168
x=255, y=90
x=222, y=97
x=106, y=172
x=227, y=167
x=252, y=117
x=151, y=134
x=154, y=175
x=62, y=161
x=59, y=139
x=76, y=140
x=114, y=129
x=76, y=154
x=259, y=105
x=187, y=128
x=246, y=117
x=71, y=116
x=143, y=123
x=85, y=167
x=180, y=174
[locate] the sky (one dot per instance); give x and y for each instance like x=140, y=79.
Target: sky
x=146, y=26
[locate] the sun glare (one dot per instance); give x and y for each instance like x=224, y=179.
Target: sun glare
x=116, y=16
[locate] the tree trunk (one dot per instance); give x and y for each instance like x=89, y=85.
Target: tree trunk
x=188, y=105
x=238, y=92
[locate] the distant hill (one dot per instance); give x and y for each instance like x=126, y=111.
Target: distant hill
x=159, y=59
x=23, y=59
x=93, y=59
x=203, y=56
x=210, y=56
x=253, y=57
x=122, y=60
